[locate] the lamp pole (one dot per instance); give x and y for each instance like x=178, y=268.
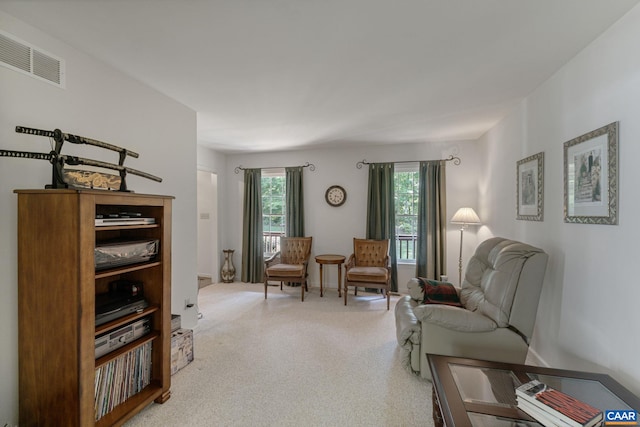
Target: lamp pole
x=460, y=258
x=464, y=217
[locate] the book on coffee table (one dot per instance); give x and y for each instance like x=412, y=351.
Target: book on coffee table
x=552, y=407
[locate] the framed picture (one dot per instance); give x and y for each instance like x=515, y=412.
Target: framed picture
x=591, y=177
x=530, y=188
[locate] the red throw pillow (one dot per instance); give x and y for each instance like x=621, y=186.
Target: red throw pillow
x=436, y=292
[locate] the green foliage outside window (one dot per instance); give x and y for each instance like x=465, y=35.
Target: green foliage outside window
x=273, y=204
x=406, y=201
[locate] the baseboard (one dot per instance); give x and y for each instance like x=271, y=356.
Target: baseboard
x=204, y=280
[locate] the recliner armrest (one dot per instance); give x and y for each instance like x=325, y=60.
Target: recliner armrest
x=407, y=325
x=455, y=318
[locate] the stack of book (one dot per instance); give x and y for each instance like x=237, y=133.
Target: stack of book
x=553, y=408
x=121, y=378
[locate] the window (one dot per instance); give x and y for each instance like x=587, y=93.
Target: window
x=273, y=209
x=406, y=186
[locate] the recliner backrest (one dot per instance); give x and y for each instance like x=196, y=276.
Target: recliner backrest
x=503, y=281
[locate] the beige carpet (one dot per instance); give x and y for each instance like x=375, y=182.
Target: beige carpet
x=283, y=362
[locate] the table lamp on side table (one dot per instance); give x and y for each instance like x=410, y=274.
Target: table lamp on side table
x=464, y=217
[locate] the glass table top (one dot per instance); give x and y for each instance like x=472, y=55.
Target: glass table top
x=491, y=386
x=485, y=420
x=485, y=385
x=589, y=391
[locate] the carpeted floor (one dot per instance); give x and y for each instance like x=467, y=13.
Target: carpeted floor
x=283, y=362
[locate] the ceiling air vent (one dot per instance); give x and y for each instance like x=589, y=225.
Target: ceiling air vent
x=28, y=59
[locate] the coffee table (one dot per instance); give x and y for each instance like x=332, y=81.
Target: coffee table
x=479, y=393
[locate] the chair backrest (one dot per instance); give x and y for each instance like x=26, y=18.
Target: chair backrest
x=295, y=250
x=503, y=281
x=371, y=253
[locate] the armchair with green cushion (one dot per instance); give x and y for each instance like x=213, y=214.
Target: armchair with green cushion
x=498, y=305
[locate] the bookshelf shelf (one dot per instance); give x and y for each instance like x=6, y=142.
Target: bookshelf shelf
x=126, y=349
x=121, y=270
x=57, y=288
x=126, y=319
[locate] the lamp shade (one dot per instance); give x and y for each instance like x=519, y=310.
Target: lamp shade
x=465, y=216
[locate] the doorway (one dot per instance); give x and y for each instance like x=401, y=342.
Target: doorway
x=208, y=259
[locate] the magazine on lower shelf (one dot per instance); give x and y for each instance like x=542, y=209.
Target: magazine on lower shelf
x=553, y=408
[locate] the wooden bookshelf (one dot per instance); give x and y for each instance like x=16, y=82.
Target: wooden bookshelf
x=57, y=287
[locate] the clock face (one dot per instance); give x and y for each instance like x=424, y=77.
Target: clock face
x=335, y=195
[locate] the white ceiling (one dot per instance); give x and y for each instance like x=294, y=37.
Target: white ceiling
x=289, y=74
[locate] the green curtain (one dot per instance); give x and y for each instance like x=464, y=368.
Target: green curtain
x=252, y=243
x=381, y=211
x=294, y=218
x=432, y=223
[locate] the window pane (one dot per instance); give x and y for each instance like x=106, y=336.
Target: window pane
x=273, y=209
x=406, y=199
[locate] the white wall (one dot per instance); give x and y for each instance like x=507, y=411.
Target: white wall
x=588, y=315
x=104, y=104
x=208, y=224
x=333, y=228
x=215, y=162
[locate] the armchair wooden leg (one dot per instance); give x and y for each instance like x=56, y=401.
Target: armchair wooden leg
x=345, y=294
x=265, y=289
x=388, y=298
x=302, y=286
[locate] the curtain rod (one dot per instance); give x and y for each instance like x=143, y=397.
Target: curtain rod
x=452, y=158
x=311, y=167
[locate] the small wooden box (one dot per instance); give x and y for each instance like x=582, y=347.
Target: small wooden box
x=181, y=349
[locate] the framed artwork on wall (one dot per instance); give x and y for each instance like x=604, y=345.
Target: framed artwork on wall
x=530, y=188
x=591, y=177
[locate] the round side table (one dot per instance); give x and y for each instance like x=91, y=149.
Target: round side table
x=331, y=259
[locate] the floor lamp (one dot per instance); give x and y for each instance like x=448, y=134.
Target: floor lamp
x=464, y=217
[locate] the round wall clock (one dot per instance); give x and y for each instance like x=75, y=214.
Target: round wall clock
x=335, y=195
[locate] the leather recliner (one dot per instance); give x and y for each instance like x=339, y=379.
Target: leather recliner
x=499, y=295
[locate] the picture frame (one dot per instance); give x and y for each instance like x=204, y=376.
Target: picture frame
x=591, y=177
x=530, y=188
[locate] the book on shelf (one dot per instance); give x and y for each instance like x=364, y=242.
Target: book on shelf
x=121, y=378
x=553, y=408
